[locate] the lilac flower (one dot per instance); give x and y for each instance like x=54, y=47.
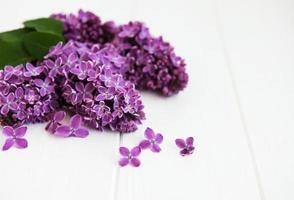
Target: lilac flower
x=86, y=27
x=84, y=92
x=106, y=77
x=33, y=71
x=8, y=103
x=152, y=142
x=56, y=50
x=129, y=157
x=31, y=96
x=55, y=121
x=53, y=67
x=105, y=93
x=186, y=147
x=10, y=71
x=15, y=137
x=118, y=106
x=74, y=128
x=81, y=70
x=46, y=86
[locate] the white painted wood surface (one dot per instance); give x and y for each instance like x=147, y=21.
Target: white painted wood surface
x=238, y=106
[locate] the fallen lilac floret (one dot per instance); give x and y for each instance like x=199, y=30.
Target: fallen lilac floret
x=55, y=121
x=129, y=157
x=14, y=137
x=73, y=129
x=152, y=141
x=186, y=146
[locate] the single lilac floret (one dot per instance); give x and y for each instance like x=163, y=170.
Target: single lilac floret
x=186, y=146
x=33, y=71
x=14, y=137
x=152, y=142
x=73, y=129
x=7, y=103
x=55, y=121
x=129, y=157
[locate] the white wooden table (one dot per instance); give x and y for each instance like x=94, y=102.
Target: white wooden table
x=239, y=106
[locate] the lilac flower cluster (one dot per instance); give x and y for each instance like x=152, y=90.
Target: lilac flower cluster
x=23, y=96
x=150, y=63
x=76, y=77
x=86, y=27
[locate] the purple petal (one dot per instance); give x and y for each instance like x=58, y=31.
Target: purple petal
x=8, y=131
x=149, y=133
x=19, y=92
x=180, y=143
x=123, y=162
x=144, y=144
x=155, y=148
x=38, y=82
x=59, y=116
x=79, y=87
x=4, y=110
x=81, y=132
x=29, y=67
x=10, y=97
x=158, y=138
x=21, y=143
x=190, y=149
x=63, y=131
x=39, y=69
x=189, y=141
x=100, y=97
x=135, y=162
x=8, y=143
x=184, y=152
x=20, y=131
x=75, y=121
x=124, y=151
x=136, y=151
x=102, y=89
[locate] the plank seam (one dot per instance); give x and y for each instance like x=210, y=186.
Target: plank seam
x=133, y=14
x=238, y=101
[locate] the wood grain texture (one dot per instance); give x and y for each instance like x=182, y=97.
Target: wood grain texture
x=260, y=46
x=221, y=167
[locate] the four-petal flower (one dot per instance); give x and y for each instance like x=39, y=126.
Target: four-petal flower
x=55, y=121
x=186, y=146
x=129, y=157
x=8, y=103
x=74, y=128
x=15, y=137
x=152, y=142
x=33, y=71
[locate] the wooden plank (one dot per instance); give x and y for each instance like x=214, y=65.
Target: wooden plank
x=55, y=168
x=260, y=45
x=221, y=167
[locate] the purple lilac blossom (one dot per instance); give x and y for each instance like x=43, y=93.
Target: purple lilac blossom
x=73, y=129
x=147, y=61
x=152, y=141
x=103, y=103
x=186, y=146
x=86, y=27
x=14, y=137
x=55, y=121
x=21, y=100
x=129, y=157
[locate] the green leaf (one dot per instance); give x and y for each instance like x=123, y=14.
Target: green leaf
x=12, y=53
x=47, y=25
x=15, y=35
x=38, y=43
